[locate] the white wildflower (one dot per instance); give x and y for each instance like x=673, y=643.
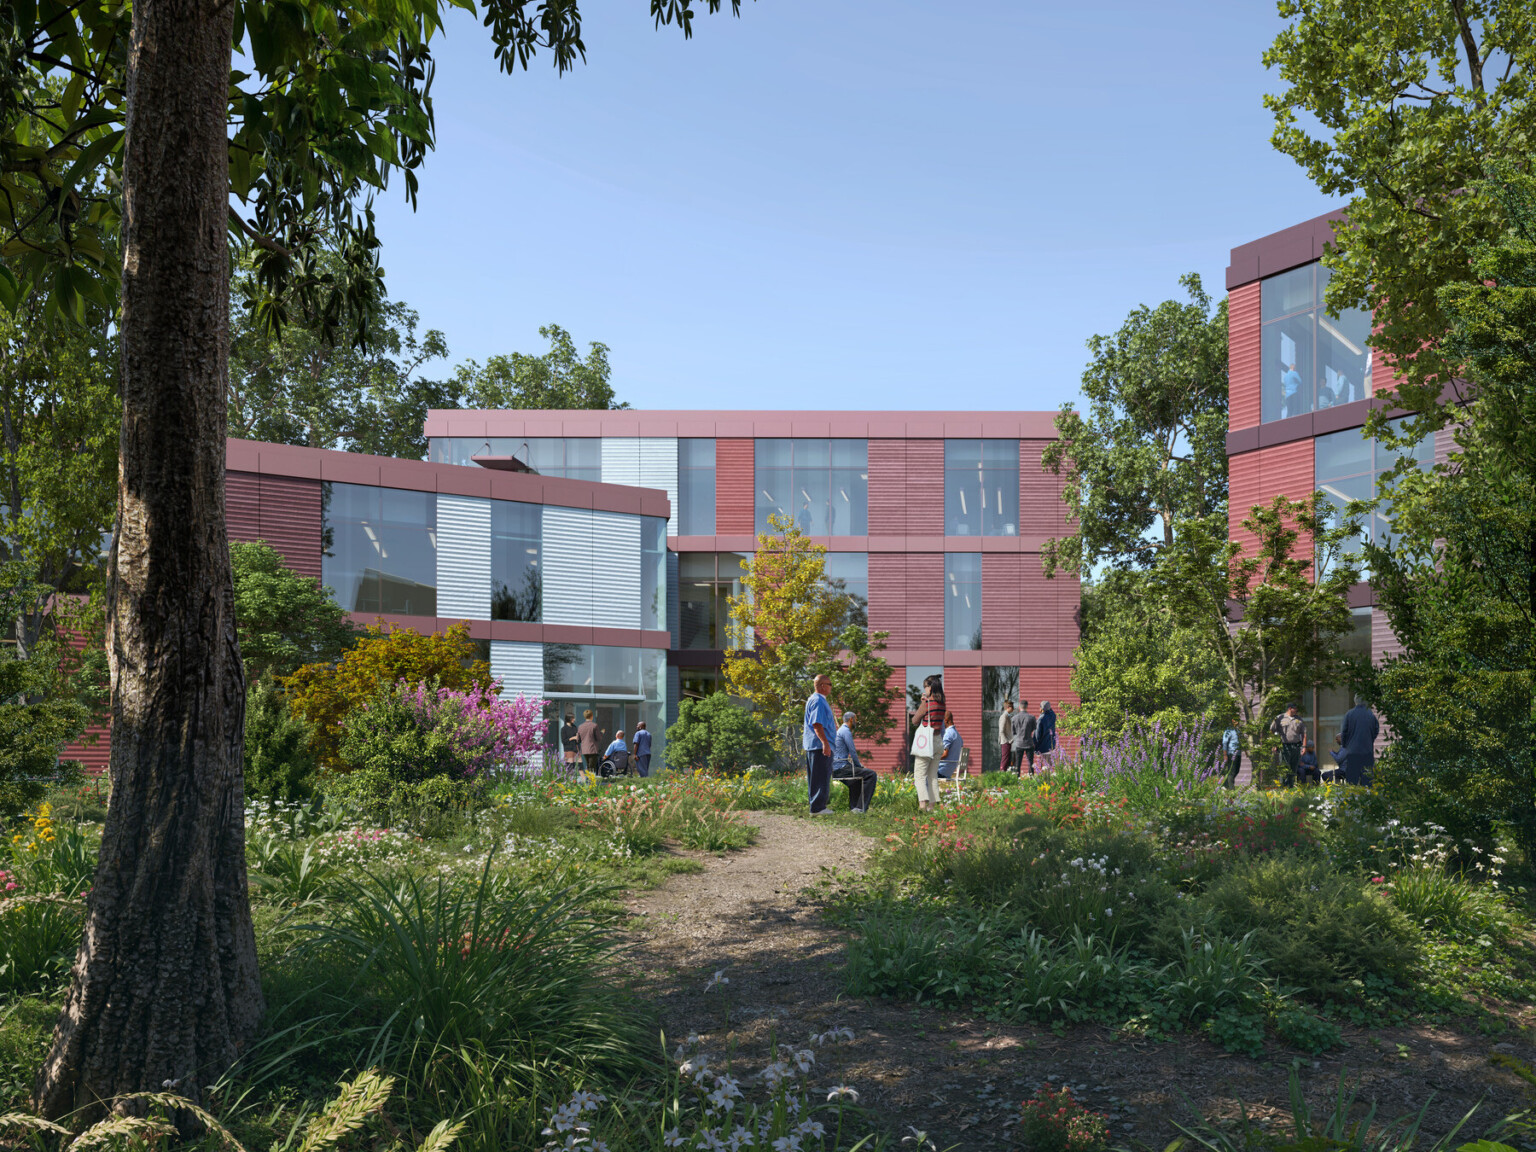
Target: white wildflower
x=844, y=1092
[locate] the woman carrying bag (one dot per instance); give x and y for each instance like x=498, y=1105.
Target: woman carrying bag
x=926, y=739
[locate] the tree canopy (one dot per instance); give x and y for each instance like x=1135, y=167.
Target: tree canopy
x=285, y=620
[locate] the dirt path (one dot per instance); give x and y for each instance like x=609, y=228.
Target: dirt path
x=957, y=1076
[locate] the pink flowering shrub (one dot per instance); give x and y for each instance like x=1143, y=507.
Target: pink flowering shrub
x=1055, y=1122
x=486, y=733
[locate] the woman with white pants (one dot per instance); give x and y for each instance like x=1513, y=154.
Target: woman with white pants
x=929, y=714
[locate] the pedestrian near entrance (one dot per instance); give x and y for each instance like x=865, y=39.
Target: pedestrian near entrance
x=569, y=745
x=1045, y=737
x=586, y=739
x=847, y=767
x=1231, y=756
x=1005, y=736
x=642, y=749
x=1292, y=730
x=949, y=766
x=816, y=739
x=927, y=720
x=1024, y=725
x=1357, y=743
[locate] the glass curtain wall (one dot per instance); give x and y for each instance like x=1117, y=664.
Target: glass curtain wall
x=705, y=580
x=822, y=484
x=981, y=487
x=962, y=601
x=997, y=685
x=653, y=573
x=1329, y=704
x=516, y=578
x=1348, y=467
x=1310, y=360
x=847, y=573
x=380, y=548
x=619, y=685
x=574, y=457
x=695, y=487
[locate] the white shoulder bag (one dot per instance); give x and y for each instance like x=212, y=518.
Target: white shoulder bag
x=922, y=740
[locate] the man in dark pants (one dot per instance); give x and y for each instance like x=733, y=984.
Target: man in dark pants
x=1292, y=730
x=1005, y=737
x=816, y=739
x=587, y=737
x=642, y=749
x=1357, y=743
x=1024, y=738
x=847, y=767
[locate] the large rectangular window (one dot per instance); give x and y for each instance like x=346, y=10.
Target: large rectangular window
x=998, y=685
x=695, y=487
x=1330, y=703
x=653, y=573
x=822, y=484
x=962, y=601
x=981, y=487
x=380, y=549
x=705, y=581
x=1347, y=467
x=847, y=573
x=574, y=457
x=517, y=580
x=1310, y=360
x=619, y=686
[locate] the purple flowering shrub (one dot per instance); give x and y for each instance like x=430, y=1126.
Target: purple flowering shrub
x=484, y=733
x=1150, y=767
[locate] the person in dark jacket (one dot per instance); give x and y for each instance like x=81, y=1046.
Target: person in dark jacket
x=642, y=749
x=1357, y=743
x=1024, y=725
x=1045, y=737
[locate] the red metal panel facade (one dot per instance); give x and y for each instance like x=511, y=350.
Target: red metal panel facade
x=924, y=486
x=242, y=505
x=888, y=596
x=1046, y=621
x=925, y=599
x=887, y=487
x=1258, y=477
x=290, y=521
x=962, y=693
x=1041, y=509
x=1001, y=623
x=735, y=480
x=1244, y=364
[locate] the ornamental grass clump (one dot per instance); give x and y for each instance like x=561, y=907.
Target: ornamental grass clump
x=1052, y=1121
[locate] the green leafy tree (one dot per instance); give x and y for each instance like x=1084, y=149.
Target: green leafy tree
x=280, y=761
x=1150, y=453
x=1260, y=615
x=559, y=378
x=155, y=125
x=285, y=619
x=1136, y=664
x=719, y=734
x=797, y=625
x=1399, y=105
x=1458, y=577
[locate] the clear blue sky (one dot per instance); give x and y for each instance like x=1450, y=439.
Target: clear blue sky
x=844, y=203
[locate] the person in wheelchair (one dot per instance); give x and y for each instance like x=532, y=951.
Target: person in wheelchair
x=616, y=758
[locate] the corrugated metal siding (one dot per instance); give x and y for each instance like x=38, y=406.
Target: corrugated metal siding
x=1244, y=362
x=658, y=469
x=1045, y=609
x=888, y=596
x=925, y=599
x=463, y=557
x=1384, y=641
x=887, y=488
x=567, y=562
x=615, y=570
x=962, y=695
x=1258, y=477
x=925, y=491
x=1445, y=444
x=94, y=755
x=621, y=460
x=1001, y=576
x=1042, y=511
x=242, y=506
x=880, y=757
x=291, y=521
x=735, y=478
x=519, y=666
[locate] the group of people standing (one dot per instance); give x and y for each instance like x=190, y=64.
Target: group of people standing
x=1354, y=748
x=1022, y=736
x=583, y=743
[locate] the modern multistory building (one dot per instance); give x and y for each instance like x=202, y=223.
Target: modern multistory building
x=1302, y=384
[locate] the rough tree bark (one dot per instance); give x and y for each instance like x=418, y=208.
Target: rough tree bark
x=165, y=986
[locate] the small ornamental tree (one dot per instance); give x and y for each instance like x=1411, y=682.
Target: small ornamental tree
x=1270, y=627
x=326, y=694
x=719, y=734
x=285, y=620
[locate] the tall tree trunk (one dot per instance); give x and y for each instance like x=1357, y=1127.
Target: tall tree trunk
x=165, y=987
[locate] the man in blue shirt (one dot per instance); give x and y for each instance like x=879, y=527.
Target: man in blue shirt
x=642, y=749
x=1290, y=385
x=818, y=746
x=618, y=745
x=847, y=767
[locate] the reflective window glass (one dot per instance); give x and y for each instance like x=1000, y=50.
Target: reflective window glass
x=380, y=549
x=962, y=600
x=1309, y=359
x=653, y=573
x=1348, y=466
x=706, y=581
x=516, y=577
x=981, y=487
x=695, y=509
x=847, y=573
x=822, y=484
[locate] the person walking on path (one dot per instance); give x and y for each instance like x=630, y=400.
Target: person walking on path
x=569, y=745
x=1231, y=756
x=817, y=743
x=847, y=767
x=1045, y=737
x=1357, y=743
x=642, y=749
x=1005, y=736
x=1292, y=730
x=949, y=766
x=586, y=738
x=928, y=714
x=1024, y=738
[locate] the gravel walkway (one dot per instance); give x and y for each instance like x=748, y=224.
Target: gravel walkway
x=755, y=915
